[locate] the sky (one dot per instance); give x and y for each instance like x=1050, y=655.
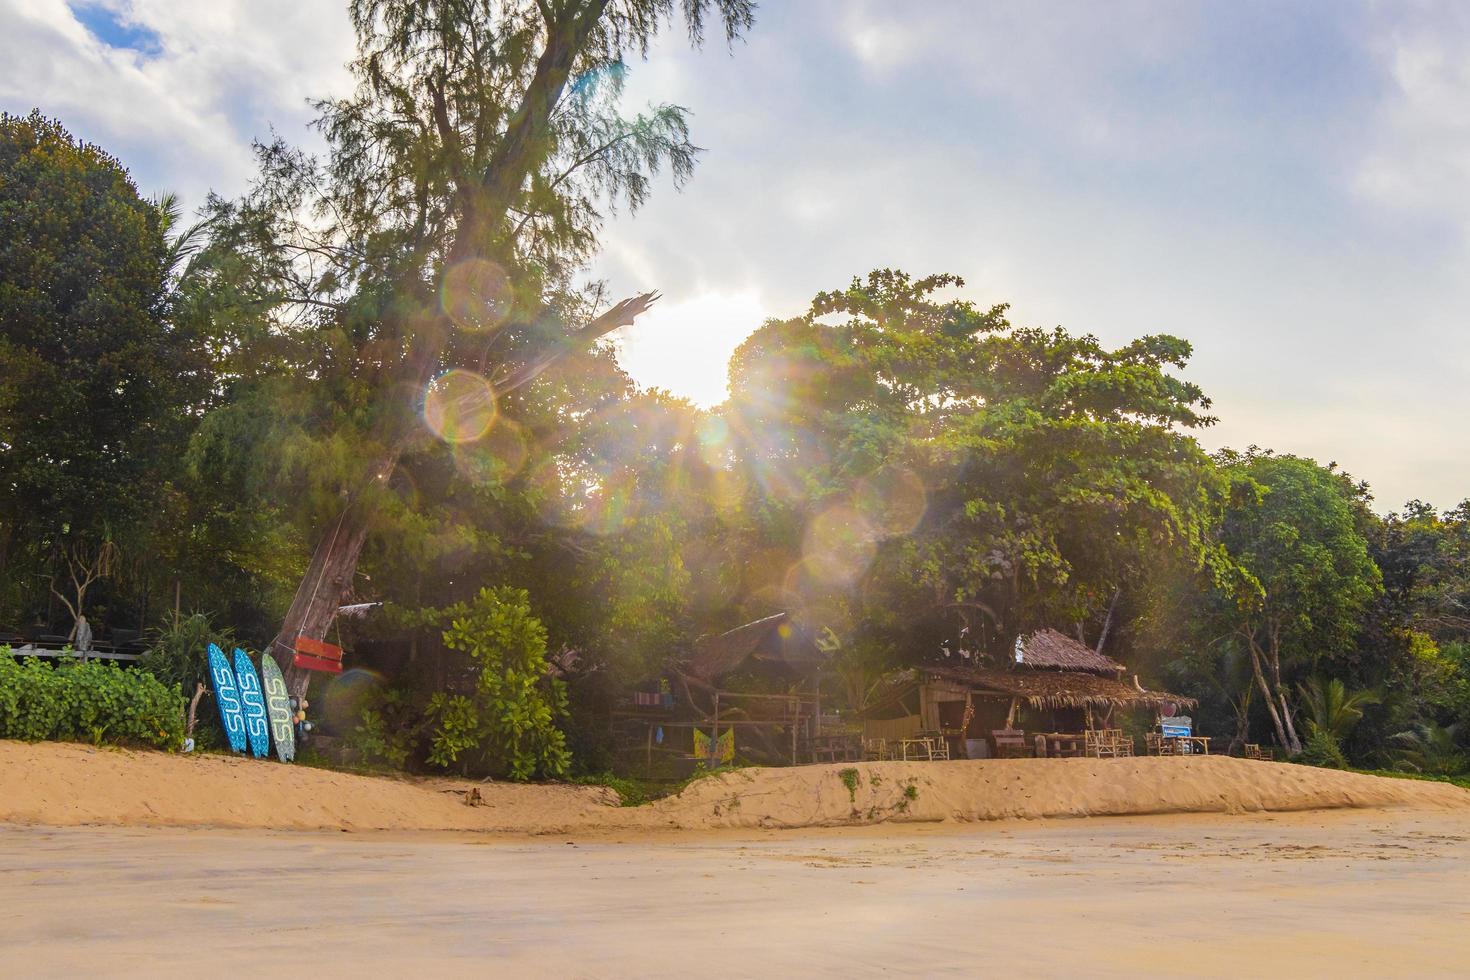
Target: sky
x=1284, y=184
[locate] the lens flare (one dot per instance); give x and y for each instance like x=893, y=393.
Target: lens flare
x=340, y=705
x=476, y=295
x=712, y=438
x=838, y=546
x=554, y=504
x=459, y=406
x=496, y=458
x=892, y=499
x=611, y=504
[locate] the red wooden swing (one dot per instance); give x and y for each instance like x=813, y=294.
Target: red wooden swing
x=317, y=655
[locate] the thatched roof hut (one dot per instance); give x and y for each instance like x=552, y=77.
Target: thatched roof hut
x=1038, y=688
x=774, y=640
x=1054, y=684
x=1047, y=649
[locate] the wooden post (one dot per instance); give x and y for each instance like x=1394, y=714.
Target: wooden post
x=1011, y=714
x=648, y=754
x=715, y=737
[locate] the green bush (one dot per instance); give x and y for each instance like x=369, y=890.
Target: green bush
x=387, y=729
x=507, y=725
x=93, y=702
x=178, y=650
x=1322, y=749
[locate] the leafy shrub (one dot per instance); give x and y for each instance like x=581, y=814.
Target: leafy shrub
x=1322, y=749
x=94, y=702
x=1433, y=750
x=387, y=728
x=508, y=724
x=179, y=650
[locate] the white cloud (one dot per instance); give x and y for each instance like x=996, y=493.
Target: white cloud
x=182, y=119
x=1418, y=156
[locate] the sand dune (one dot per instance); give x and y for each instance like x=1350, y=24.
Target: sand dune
x=67, y=785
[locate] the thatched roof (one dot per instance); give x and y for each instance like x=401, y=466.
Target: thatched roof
x=1046, y=649
x=773, y=639
x=1038, y=688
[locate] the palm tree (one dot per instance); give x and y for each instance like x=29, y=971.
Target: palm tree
x=1430, y=749
x=182, y=243
x=1331, y=708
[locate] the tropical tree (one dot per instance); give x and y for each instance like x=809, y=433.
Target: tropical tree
x=947, y=472
x=1430, y=749
x=1331, y=708
x=1301, y=578
x=425, y=269
x=99, y=383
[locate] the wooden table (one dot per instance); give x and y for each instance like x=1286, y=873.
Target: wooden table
x=1064, y=745
x=1190, y=744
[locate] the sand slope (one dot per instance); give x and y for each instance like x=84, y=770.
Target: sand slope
x=66, y=785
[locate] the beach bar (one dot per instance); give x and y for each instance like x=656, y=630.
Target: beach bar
x=1054, y=698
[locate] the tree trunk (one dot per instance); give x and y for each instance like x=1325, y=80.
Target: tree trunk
x=328, y=577
x=1266, y=693
x=1293, y=744
x=1107, y=626
x=1242, y=706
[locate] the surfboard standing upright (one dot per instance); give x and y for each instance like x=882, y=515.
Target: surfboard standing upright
x=278, y=707
x=227, y=696
x=256, y=726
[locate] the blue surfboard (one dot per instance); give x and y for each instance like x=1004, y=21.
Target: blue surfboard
x=227, y=696
x=278, y=707
x=257, y=727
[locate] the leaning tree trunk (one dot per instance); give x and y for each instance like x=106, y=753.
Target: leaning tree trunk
x=1266, y=694
x=1294, y=743
x=327, y=579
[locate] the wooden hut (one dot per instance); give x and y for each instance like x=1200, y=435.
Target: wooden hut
x=759, y=680
x=1052, y=683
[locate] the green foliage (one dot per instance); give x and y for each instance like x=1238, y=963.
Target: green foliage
x=92, y=702
x=1329, y=707
x=1322, y=749
x=631, y=792
x=849, y=779
x=387, y=729
x=178, y=654
x=508, y=722
x=944, y=469
x=1433, y=750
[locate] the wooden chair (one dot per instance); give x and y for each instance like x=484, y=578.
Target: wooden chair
x=1099, y=744
x=1010, y=743
x=876, y=749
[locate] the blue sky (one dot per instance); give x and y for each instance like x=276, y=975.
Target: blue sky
x=1284, y=184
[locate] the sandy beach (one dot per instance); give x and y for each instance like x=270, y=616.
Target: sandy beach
x=58, y=784
x=1310, y=895
x=120, y=863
